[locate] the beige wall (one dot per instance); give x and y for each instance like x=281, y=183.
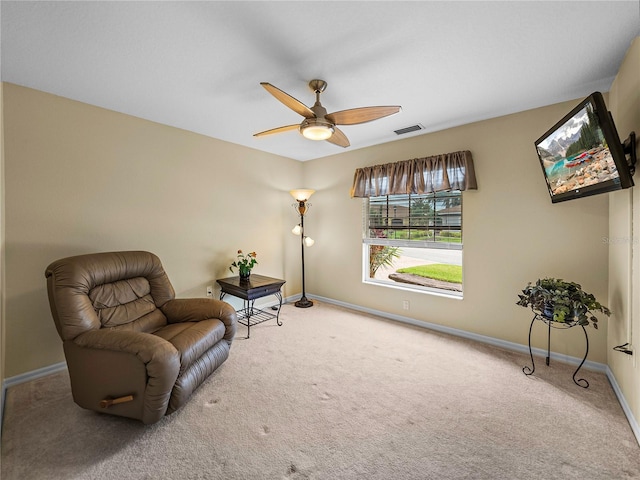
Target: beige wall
x=513, y=234
x=624, y=236
x=83, y=179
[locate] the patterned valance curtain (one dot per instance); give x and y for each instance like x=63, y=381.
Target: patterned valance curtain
x=450, y=171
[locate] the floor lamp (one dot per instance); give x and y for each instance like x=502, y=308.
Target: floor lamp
x=302, y=206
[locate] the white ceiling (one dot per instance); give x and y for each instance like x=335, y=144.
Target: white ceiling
x=198, y=65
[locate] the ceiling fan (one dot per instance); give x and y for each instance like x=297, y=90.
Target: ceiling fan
x=317, y=123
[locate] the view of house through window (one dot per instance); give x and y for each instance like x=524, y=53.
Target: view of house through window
x=414, y=241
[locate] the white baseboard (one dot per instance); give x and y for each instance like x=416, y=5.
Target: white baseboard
x=33, y=374
x=589, y=365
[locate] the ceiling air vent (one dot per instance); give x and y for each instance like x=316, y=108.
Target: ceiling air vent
x=412, y=128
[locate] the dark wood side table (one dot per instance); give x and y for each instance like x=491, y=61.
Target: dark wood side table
x=257, y=286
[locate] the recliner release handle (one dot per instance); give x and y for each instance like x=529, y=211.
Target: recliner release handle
x=107, y=402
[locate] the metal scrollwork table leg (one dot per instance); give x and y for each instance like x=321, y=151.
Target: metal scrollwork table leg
x=581, y=382
x=584, y=383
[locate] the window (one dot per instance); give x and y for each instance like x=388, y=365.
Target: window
x=412, y=235
x=414, y=241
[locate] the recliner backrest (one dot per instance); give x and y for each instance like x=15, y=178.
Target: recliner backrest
x=121, y=290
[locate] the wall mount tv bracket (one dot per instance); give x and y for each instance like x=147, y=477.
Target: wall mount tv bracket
x=625, y=348
x=629, y=148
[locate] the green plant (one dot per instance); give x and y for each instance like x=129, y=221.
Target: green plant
x=381, y=255
x=244, y=263
x=437, y=271
x=562, y=301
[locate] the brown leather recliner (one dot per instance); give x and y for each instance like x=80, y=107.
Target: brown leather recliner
x=132, y=348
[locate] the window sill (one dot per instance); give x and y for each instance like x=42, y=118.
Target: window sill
x=416, y=288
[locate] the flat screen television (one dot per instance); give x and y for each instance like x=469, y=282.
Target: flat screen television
x=582, y=155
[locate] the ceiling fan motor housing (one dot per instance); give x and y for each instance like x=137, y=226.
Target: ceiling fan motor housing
x=317, y=86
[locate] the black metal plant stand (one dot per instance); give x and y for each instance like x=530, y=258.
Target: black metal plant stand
x=581, y=382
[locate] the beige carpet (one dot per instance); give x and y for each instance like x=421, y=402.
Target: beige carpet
x=335, y=394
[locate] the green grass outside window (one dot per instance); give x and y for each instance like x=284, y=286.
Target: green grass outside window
x=436, y=271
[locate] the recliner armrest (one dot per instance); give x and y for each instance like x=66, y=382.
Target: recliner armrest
x=197, y=309
x=145, y=346
x=160, y=358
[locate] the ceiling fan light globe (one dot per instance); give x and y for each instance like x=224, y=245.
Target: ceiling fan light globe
x=316, y=128
x=317, y=132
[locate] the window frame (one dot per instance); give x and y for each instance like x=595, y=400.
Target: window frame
x=388, y=225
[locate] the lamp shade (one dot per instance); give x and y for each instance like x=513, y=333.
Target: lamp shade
x=301, y=194
x=308, y=241
x=297, y=230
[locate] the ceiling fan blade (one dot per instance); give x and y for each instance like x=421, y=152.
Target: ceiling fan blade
x=354, y=116
x=339, y=138
x=277, y=130
x=295, y=105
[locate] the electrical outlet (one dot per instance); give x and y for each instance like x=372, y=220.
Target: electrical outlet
x=405, y=304
x=209, y=291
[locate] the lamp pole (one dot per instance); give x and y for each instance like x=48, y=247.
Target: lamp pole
x=304, y=302
x=301, y=205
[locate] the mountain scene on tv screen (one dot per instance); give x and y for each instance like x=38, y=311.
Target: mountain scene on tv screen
x=576, y=154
